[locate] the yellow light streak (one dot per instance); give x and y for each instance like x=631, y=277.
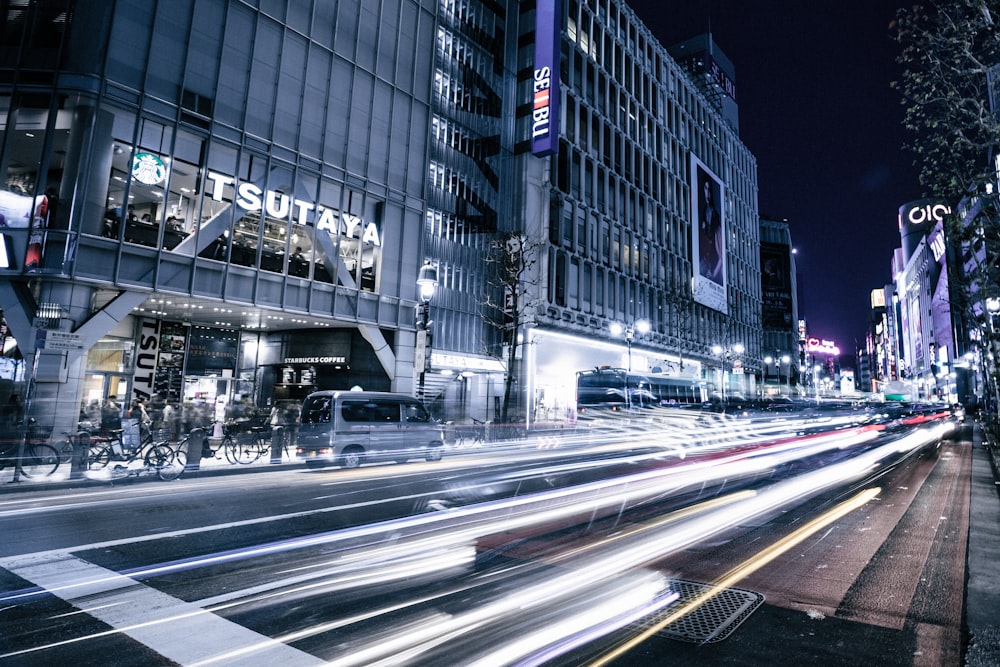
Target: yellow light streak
x=745, y=569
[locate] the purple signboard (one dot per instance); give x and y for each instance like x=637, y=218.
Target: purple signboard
x=545, y=80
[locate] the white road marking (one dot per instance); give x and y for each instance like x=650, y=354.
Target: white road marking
x=177, y=630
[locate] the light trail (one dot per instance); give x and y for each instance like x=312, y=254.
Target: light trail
x=411, y=546
x=745, y=569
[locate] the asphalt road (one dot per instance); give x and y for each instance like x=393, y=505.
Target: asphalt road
x=882, y=586
x=338, y=565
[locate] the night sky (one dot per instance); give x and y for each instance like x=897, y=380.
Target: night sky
x=818, y=113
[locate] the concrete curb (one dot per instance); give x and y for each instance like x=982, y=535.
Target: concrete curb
x=210, y=468
x=982, y=587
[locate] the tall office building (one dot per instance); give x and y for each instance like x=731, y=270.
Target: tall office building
x=209, y=198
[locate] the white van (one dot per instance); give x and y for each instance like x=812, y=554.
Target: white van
x=349, y=428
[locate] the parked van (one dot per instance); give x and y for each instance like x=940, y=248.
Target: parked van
x=349, y=428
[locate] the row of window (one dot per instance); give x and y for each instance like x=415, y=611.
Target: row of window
x=583, y=287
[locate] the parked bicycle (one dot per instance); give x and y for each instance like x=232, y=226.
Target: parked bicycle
x=245, y=441
x=37, y=459
x=153, y=448
x=468, y=435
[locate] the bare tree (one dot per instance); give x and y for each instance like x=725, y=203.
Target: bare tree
x=950, y=53
x=512, y=264
x=680, y=321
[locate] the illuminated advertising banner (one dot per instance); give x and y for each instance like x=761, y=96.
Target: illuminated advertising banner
x=545, y=79
x=776, y=285
x=708, y=238
x=170, y=360
x=212, y=351
x=878, y=298
x=15, y=209
x=937, y=275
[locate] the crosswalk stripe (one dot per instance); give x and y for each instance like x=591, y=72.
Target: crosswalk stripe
x=177, y=630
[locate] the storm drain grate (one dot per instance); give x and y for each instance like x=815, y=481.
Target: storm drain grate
x=714, y=620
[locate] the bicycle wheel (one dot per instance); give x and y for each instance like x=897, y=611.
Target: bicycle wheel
x=98, y=458
x=39, y=460
x=172, y=464
x=246, y=452
x=66, y=453
x=231, y=447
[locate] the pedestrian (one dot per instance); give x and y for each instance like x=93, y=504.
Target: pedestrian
x=138, y=411
x=111, y=417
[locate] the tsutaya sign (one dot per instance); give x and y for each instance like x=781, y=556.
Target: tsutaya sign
x=278, y=205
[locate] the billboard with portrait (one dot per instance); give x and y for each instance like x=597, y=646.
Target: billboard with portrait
x=708, y=237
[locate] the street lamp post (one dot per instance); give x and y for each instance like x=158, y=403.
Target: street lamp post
x=629, y=331
x=723, y=354
x=639, y=326
x=427, y=281
x=787, y=361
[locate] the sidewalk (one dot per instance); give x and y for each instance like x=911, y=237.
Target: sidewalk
x=982, y=589
x=208, y=468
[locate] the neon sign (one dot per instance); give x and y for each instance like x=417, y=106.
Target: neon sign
x=817, y=346
x=278, y=205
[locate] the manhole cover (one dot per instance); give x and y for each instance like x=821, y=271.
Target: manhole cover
x=714, y=620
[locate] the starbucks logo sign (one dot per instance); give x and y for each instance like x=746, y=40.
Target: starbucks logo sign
x=148, y=169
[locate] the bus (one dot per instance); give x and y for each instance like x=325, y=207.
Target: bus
x=616, y=388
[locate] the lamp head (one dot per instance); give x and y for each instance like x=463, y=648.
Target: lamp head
x=427, y=281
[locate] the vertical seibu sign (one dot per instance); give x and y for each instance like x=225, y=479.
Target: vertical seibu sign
x=545, y=79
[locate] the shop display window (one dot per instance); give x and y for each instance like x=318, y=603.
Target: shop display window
x=150, y=193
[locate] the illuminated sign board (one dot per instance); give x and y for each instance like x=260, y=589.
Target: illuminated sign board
x=817, y=346
x=316, y=360
x=6, y=253
x=545, y=78
x=720, y=77
x=917, y=219
x=148, y=169
x=278, y=205
x=923, y=211
x=878, y=298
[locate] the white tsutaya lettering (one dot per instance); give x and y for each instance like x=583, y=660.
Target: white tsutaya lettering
x=351, y=224
x=278, y=204
x=248, y=197
x=327, y=220
x=218, y=181
x=371, y=235
x=282, y=206
x=302, y=209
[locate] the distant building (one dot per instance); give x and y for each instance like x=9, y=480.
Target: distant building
x=779, y=306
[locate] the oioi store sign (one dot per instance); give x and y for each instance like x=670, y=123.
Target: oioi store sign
x=278, y=205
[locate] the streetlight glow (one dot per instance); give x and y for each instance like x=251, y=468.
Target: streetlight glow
x=427, y=282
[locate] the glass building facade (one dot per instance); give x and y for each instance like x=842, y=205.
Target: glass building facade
x=213, y=198
x=203, y=199
x=621, y=212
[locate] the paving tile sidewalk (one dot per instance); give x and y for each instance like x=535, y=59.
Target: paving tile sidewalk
x=982, y=592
